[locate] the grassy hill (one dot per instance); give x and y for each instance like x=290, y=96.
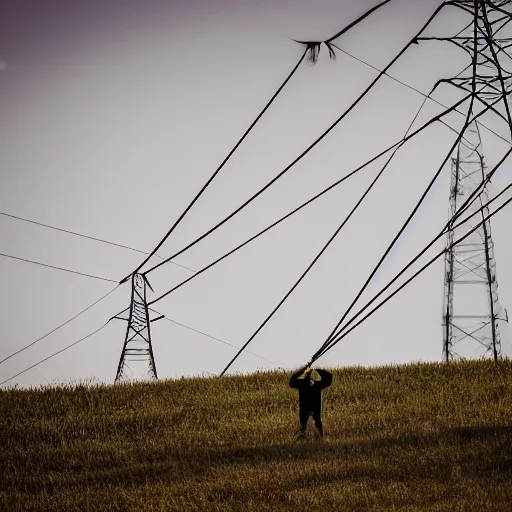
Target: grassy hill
x=419, y=437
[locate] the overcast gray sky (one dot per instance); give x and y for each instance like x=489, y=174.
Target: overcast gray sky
x=114, y=114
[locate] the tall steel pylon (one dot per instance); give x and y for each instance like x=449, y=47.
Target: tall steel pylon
x=472, y=311
x=137, y=360
x=471, y=308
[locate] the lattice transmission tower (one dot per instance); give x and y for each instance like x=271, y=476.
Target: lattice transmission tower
x=472, y=311
x=137, y=360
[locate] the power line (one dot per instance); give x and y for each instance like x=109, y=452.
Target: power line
x=339, y=333
x=311, y=200
x=57, y=268
x=219, y=168
x=88, y=237
x=373, y=67
x=98, y=330
x=354, y=23
x=314, y=46
x=415, y=209
x=55, y=354
x=309, y=47
x=213, y=337
x=308, y=149
x=61, y=325
x=449, y=225
x=419, y=92
x=399, y=233
x=335, y=234
x=314, y=198
x=503, y=97
x=421, y=270
x=328, y=342
x=459, y=137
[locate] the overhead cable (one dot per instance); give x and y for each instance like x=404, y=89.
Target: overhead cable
x=214, y=338
x=219, y=168
x=419, y=202
x=55, y=354
x=61, y=325
x=314, y=198
x=450, y=226
x=421, y=270
x=314, y=46
x=309, y=47
x=424, y=95
x=337, y=231
x=459, y=138
x=307, y=150
x=57, y=268
x=102, y=327
x=88, y=237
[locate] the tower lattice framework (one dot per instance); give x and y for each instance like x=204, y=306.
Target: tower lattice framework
x=472, y=311
x=472, y=308
x=137, y=360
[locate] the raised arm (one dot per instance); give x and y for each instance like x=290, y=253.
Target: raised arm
x=295, y=377
x=326, y=378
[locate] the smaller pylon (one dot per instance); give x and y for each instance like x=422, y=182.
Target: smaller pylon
x=137, y=361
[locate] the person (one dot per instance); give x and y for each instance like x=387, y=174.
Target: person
x=310, y=384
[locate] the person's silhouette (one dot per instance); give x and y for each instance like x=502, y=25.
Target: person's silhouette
x=310, y=384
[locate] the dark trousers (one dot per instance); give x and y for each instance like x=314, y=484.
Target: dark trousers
x=314, y=410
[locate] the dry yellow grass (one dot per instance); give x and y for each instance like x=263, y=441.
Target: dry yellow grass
x=419, y=437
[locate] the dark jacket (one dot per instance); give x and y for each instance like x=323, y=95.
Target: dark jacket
x=310, y=395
